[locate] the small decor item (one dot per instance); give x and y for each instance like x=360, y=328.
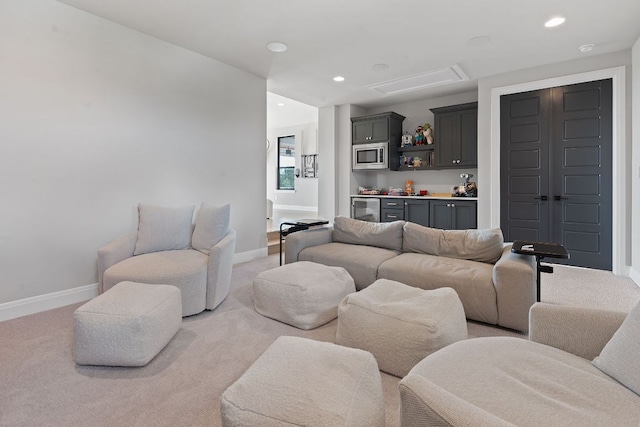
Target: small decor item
x=406, y=161
x=419, y=138
x=408, y=187
x=417, y=162
x=426, y=132
x=407, y=139
x=466, y=188
x=310, y=168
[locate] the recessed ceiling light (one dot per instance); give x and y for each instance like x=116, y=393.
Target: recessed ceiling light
x=379, y=67
x=554, y=22
x=277, y=47
x=586, y=47
x=338, y=79
x=478, y=41
x=280, y=104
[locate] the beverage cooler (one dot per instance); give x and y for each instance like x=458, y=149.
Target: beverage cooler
x=365, y=209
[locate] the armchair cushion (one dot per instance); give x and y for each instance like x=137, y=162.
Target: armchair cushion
x=474, y=245
x=619, y=357
x=163, y=228
x=212, y=224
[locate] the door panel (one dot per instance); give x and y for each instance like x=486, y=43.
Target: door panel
x=524, y=159
x=582, y=152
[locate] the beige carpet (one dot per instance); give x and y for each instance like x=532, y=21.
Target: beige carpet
x=41, y=386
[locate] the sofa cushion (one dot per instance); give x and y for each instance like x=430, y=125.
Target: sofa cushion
x=212, y=224
x=471, y=280
x=483, y=245
x=163, y=228
x=386, y=235
x=620, y=357
x=361, y=262
x=512, y=381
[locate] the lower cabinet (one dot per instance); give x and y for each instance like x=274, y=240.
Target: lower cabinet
x=453, y=214
x=391, y=210
x=417, y=211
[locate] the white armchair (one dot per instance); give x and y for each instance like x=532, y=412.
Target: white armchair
x=164, y=250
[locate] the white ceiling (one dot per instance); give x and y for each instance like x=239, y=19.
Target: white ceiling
x=283, y=112
x=326, y=38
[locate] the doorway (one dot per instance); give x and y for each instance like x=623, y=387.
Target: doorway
x=556, y=169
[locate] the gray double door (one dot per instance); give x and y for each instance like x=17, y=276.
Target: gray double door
x=555, y=170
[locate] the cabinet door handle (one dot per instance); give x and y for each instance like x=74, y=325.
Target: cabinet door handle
x=448, y=205
x=392, y=204
x=543, y=198
x=453, y=161
x=558, y=198
x=392, y=216
x=453, y=205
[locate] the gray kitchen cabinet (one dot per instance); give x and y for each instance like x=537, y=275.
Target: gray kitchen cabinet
x=453, y=214
x=391, y=210
x=417, y=211
x=456, y=135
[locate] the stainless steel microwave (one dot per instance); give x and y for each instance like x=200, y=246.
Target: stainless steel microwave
x=370, y=156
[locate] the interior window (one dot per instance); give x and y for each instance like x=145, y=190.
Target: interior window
x=286, y=162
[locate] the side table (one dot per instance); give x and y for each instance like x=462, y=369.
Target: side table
x=540, y=250
x=303, y=224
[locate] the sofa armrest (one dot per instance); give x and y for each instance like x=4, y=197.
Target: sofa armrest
x=425, y=403
x=578, y=330
x=514, y=277
x=114, y=252
x=219, y=269
x=300, y=240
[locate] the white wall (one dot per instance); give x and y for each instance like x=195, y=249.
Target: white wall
x=97, y=118
x=635, y=168
x=327, y=159
x=305, y=195
x=418, y=113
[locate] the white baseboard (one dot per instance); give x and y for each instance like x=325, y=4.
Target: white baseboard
x=26, y=306
x=250, y=255
x=23, y=307
x=295, y=208
x=635, y=275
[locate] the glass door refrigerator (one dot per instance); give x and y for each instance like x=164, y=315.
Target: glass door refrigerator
x=365, y=208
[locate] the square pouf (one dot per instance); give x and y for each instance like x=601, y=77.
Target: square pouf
x=302, y=382
x=303, y=294
x=127, y=325
x=399, y=324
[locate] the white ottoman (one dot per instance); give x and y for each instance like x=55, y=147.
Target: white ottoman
x=399, y=324
x=126, y=326
x=302, y=382
x=303, y=294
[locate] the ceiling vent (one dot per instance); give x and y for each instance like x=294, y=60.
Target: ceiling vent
x=420, y=81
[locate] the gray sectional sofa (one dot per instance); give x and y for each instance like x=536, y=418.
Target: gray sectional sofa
x=495, y=285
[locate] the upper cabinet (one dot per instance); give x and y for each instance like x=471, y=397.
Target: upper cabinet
x=384, y=127
x=456, y=135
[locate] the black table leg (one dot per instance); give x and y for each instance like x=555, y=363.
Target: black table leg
x=541, y=269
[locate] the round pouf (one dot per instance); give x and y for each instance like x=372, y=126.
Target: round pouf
x=399, y=324
x=302, y=382
x=127, y=325
x=303, y=294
